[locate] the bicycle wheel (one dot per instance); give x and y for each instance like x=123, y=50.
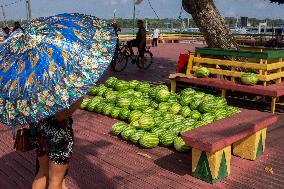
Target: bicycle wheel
x=148, y=60
x=120, y=62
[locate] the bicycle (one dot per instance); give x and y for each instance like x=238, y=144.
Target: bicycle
x=123, y=55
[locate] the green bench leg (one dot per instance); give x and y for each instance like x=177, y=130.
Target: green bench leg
x=251, y=147
x=211, y=167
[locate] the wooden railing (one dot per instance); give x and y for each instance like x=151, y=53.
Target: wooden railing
x=243, y=39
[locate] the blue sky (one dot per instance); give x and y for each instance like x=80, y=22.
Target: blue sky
x=124, y=8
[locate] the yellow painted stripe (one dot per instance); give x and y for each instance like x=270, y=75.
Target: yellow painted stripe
x=195, y=158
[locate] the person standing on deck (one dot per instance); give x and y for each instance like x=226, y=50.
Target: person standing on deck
x=156, y=33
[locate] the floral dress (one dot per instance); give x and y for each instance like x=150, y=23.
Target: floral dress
x=53, y=138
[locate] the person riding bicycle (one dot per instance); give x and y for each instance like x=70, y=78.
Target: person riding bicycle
x=116, y=29
x=139, y=42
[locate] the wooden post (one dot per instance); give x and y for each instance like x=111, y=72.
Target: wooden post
x=190, y=64
x=223, y=93
x=273, y=102
x=173, y=85
x=232, y=69
x=278, y=71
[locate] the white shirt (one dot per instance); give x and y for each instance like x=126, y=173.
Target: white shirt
x=156, y=33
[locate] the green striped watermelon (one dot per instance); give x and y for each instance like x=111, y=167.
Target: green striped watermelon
x=135, y=124
x=158, y=130
x=158, y=120
x=163, y=95
x=207, y=118
x=123, y=102
x=187, y=91
x=133, y=84
x=149, y=110
x=110, y=82
x=111, y=96
x=115, y=112
x=101, y=90
x=188, y=128
x=167, y=138
x=121, y=85
x=175, y=108
x=149, y=140
x=249, y=79
x=124, y=114
x=85, y=103
x=185, y=111
x=118, y=127
x=180, y=145
x=94, y=90
x=146, y=122
x=143, y=87
x=154, y=104
x=202, y=72
x=127, y=132
x=185, y=99
x=195, y=115
x=134, y=137
x=99, y=107
x=107, y=109
x=137, y=104
x=220, y=114
x=179, y=119
x=134, y=115
x=164, y=106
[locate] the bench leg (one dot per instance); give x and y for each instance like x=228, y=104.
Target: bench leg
x=273, y=102
x=173, y=85
x=209, y=167
x=251, y=147
x=223, y=94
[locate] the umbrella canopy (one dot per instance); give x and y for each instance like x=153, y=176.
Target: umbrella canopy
x=50, y=63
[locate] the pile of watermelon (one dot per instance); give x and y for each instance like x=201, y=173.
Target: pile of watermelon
x=152, y=115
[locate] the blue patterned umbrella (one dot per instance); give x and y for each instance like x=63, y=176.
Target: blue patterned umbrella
x=50, y=63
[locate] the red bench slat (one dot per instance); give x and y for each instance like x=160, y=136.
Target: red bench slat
x=217, y=135
x=274, y=90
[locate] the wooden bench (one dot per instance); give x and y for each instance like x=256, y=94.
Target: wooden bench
x=243, y=135
x=274, y=91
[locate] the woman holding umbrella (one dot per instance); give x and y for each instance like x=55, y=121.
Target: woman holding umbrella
x=45, y=70
x=53, y=152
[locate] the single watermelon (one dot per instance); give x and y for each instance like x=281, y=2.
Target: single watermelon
x=149, y=140
x=167, y=138
x=185, y=111
x=123, y=102
x=180, y=145
x=146, y=122
x=85, y=103
x=124, y=114
x=175, y=108
x=143, y=87
x=249, y=79
x=133, y=84
x=118, y=127
x=134, y=137
x=127, y=132
x=134, y=115
x=115, y=112
x=110, y=82
x=202, y=72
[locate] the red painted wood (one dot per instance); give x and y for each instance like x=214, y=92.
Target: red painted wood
x=217, y=135
x=274, y=90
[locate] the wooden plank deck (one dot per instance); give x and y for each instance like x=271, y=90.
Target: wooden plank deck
x=102, y=160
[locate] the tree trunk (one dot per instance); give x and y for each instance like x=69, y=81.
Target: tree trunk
x=210, y=23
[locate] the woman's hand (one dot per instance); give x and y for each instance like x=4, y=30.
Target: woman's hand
x=60, y=116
